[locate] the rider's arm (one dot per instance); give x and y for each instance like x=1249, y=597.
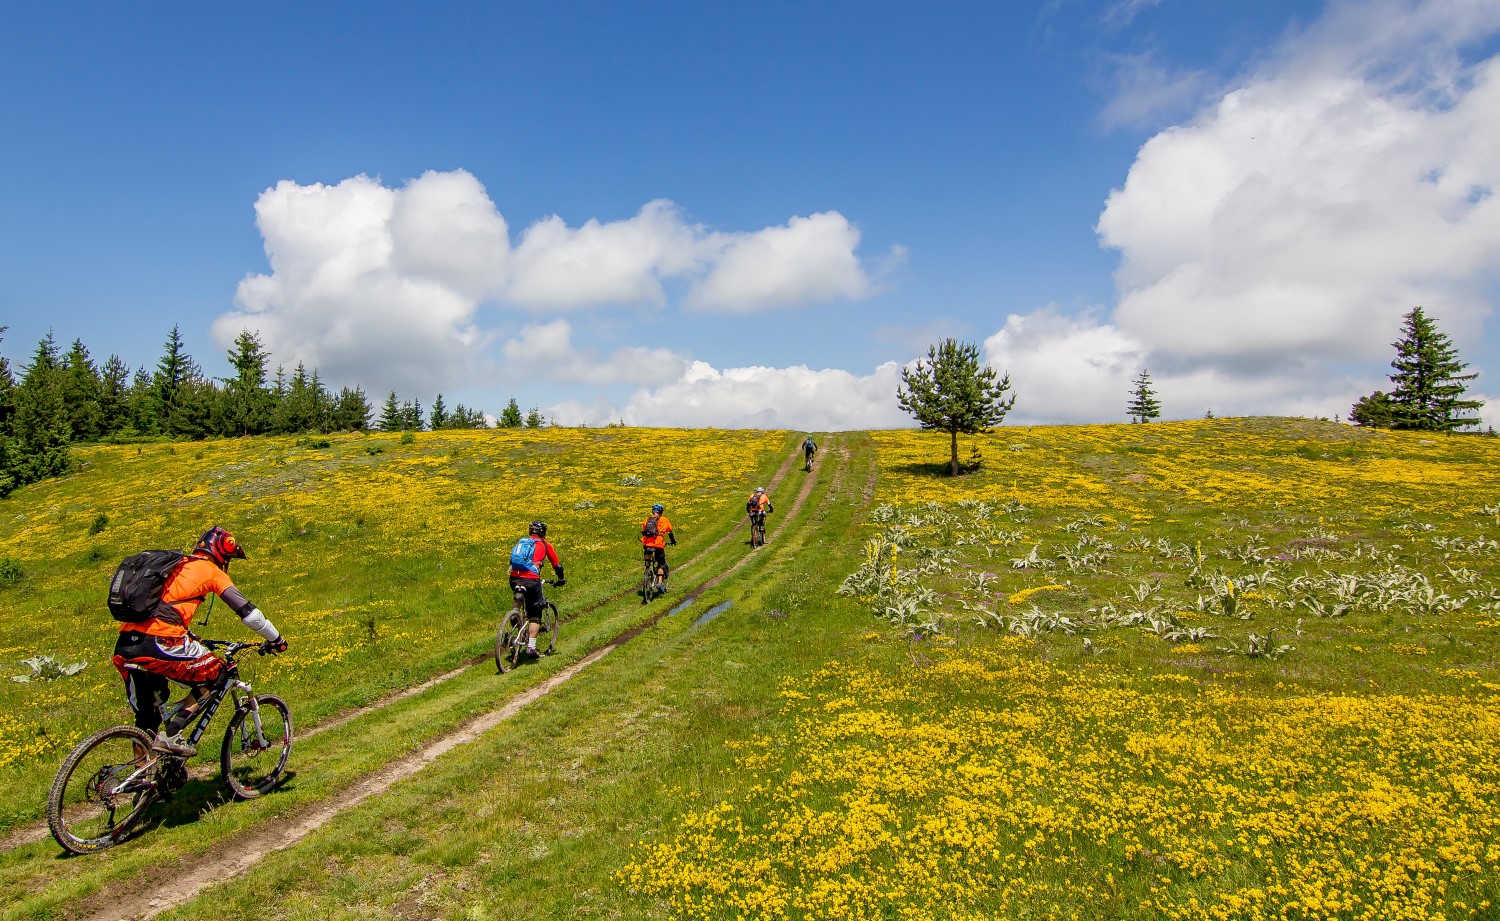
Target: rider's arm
x=556, y=564
x=249, y=613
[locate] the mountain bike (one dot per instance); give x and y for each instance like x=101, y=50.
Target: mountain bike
x=807, y=464
x=510, y=638
x=651, y=579
x=757, y=529
x=110, y=779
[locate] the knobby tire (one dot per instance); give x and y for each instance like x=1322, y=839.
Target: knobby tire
x=84, y=812
x=253, y=763
x=505, y=639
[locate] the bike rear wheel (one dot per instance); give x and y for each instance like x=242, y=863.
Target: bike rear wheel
x=256, y=746
x=505, y=639
x=648, y=582
x=101, y=790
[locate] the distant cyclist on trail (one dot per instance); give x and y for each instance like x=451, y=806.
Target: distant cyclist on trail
x=809, y=448
x=656, y=533
x=151, y=652
x=758, y=506
x=526, y=560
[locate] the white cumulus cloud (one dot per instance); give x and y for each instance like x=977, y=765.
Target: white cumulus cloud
x=546, y=351
x=1272, y=243
x=382, y=286
x=810, y=259
x=795, y=397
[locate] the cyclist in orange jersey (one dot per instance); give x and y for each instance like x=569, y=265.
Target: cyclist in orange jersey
x=152, y=652
x=656, y=533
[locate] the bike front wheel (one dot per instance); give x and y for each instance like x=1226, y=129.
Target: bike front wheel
x=101, y=790
x=546, y=638
x=506, y=638
x=256, y=746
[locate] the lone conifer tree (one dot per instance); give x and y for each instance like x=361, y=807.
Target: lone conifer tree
x=1427, y=383
x=510, y=417
x=951, y=391
x=1143, y=406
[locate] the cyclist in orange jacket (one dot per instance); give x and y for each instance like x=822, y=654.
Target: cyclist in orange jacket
x=758, y=506
x=159, y=649
x=656, y=533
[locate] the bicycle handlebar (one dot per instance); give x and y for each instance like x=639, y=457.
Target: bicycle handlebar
x=233, y=649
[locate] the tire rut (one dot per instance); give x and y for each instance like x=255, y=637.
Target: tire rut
x=239, y=854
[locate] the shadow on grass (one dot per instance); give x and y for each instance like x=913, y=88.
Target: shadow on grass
x=937, y=469
x=196, y=799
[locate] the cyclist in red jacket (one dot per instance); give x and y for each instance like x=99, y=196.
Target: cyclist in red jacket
x=526, y=577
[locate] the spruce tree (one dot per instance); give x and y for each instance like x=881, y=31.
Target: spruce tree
x=391, y=417
x=510, y=418
x=1373, y=411
x=953, y=392
x=81, y=392
x=141, y=405
x=411, y=416
x=8, y=459
x=175, y=370
x=114, y=395
x=439, y=415
x=1143, y=405
x=534, y=419
x=1427, y=380
x=351, y=411
x=246, y=401
x=41, y=427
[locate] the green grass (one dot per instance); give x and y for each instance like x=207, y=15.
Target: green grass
x=537, y=818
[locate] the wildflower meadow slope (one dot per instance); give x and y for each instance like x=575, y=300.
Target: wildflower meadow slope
x=1211, y=670
x=382, y=560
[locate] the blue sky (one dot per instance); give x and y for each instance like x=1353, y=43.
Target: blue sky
x=749, y=216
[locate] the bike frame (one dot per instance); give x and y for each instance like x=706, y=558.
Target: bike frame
x=232, y=688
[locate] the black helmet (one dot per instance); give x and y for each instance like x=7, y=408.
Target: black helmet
x=539, y=528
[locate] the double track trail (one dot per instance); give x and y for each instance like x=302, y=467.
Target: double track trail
x=37, y=831
x=192, y=875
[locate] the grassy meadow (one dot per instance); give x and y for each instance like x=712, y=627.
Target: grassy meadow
x=1233, y=668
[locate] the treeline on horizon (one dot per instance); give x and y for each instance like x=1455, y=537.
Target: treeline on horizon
x=61, y=399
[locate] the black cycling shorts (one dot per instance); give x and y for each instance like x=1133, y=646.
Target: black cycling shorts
x=532, y=589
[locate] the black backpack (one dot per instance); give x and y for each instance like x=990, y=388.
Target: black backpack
x=135, y=591
x=650, y=529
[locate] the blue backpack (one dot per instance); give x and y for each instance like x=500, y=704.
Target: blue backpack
x=523, y=556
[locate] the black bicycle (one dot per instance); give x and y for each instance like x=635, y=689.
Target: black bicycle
x=110, y=779
x=757, y=529
x=651, y=579
x=510, y=639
